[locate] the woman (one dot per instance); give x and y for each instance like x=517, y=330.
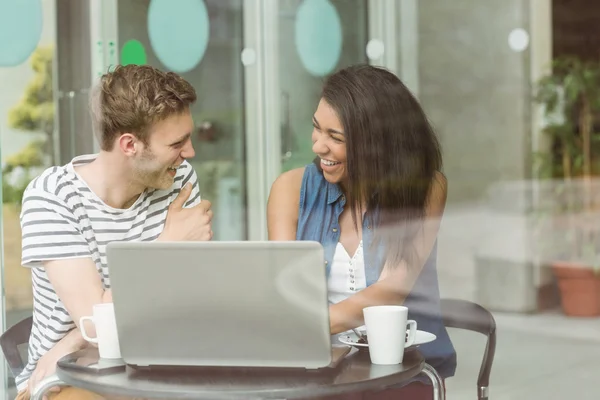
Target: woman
x=374, y=198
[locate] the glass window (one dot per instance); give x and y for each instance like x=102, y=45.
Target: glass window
x=27, y=102
x=316, y=37
x=202, y=41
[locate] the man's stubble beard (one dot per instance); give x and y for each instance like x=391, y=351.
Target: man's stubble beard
x=149, y=173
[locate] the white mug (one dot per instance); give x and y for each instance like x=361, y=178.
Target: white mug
x=386, y=333
x=106, y=330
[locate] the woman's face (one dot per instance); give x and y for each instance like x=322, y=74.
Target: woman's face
x=329, y=143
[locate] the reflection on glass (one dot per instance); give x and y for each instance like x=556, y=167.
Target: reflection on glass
x=300, y=88
x=179, y=32
x=318, y=36
x=21, y=21
x=27, y=102
x=218, y=80
x=133, y=52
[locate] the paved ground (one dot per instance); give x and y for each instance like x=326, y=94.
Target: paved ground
x=543, y=357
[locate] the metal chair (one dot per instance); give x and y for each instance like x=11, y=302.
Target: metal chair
x=466, y=315
x=10, y=341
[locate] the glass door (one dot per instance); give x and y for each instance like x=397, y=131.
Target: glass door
x=316, y=37
x=202, y=41
x=294, y=45
x=258, y=67
x=27, y=138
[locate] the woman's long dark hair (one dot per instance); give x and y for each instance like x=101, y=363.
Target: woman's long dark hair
x=393, y=154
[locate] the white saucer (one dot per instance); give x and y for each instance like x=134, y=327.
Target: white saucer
x=421, y=337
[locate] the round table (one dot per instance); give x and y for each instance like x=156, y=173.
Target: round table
x=354, y=374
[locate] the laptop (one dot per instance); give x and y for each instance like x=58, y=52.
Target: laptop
x=222, y=304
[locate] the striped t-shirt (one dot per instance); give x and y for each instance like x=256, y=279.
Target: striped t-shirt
x=62, y=218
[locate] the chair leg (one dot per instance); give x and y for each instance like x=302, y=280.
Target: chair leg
x=436, y=380
x=483, y=393
x=45, y=385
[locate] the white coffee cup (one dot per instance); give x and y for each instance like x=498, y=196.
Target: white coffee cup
x=106, y=330
x=386, y=333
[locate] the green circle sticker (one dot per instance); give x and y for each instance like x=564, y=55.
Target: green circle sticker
x=133, y=52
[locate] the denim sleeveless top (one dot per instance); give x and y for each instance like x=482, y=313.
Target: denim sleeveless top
x=321, y=204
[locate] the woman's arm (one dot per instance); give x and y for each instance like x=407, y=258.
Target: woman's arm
x=283, y=205
x=395, y=282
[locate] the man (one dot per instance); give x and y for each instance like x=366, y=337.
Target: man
x=139, y=187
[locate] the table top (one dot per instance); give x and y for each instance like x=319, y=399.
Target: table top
x=354, y=373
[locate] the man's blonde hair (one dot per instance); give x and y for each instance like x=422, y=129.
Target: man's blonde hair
x=132, y=98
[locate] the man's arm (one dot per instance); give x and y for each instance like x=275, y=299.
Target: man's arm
x=46, y=365
x=78, y=285
x=52, y=239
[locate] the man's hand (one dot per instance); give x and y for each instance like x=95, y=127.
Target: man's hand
x=46, y=366
x=187, y=224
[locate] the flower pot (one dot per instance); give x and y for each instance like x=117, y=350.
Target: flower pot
x=579, y=289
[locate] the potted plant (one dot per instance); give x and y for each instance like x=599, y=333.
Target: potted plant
x=569, y=206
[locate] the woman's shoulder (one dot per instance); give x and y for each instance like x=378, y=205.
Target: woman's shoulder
x=286, y=187
x=283, y=204
x=289, y=179
x=294, y=177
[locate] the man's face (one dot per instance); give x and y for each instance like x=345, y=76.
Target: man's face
x=169, y=144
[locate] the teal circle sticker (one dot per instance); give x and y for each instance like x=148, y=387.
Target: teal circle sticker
x=318, y=36
x=20, y=30
x=179, y=32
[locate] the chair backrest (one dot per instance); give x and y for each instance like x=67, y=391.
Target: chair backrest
x=463, y=314
x=12, y=340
